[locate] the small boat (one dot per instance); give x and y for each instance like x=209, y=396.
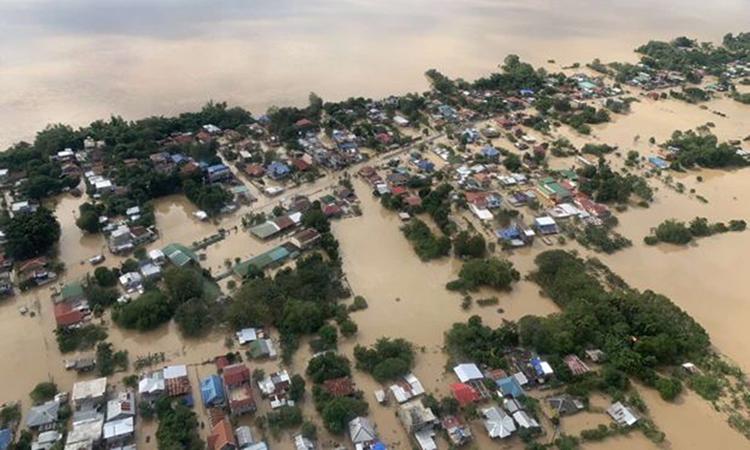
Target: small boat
x=23, y=310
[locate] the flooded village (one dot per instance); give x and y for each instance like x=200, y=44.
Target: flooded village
x=544, y=257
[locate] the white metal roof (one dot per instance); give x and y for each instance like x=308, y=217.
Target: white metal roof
x=89, y=389
x=178, y=371
x=468, y=372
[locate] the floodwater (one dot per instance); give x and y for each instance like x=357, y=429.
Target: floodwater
x=82, y=60
x=76, y=62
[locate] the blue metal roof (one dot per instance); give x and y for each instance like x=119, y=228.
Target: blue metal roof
x=278, y=168
x=509, y=233
x=510, y=386
x=217, y=168
x=6, y=437
x=490, y=151
x=212, y=391
x=537, y=363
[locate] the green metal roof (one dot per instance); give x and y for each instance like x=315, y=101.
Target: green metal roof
x=179, y=255
x=72, y=291
x=264, y=230
x=262, y=261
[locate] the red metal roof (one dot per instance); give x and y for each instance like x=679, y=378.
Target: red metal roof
x=66, y=316
x=222, y=436
x=464, y=393
x=339, y=387
x=236, y=374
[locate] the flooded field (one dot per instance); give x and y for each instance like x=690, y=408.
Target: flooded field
x=124, y=58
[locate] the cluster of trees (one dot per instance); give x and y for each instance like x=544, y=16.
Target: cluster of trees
x=297, y=301
x=488, y=272
x=581, y=119
x=691, y=95
x=88, y=217
x=605, y=185
x=185, y=298
x=681, y=233
x=109, y=361
x=515, y=75
x=468, y=245
x=147, y=312
x=436, y=203
x=601, y=239
x=425, y=242
x=31, y=234
x=387, y=360
x=686, y=56
x=42, y=172
x=336, y=412
x=284, y=417
x=80, y=338
x=639, y=331
x=208, y=197
x=43, y=392
x=315, y=218
x=474, y=341
x=704, y=150
x=178, y=426
x=597, y=149
x=123, y=140
x=283, y=121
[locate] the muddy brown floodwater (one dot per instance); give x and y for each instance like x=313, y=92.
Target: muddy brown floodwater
x=78, y=61
x=57, y=67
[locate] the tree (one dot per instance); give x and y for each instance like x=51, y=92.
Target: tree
x=348, y=328
x=43, y=392
x=297, y=388
x=338, y=412
x=285, y=417
x=469, y=245
x=144, y=313
x=491, y=272
x=388, y=359
x=82, y=338
x=426, y=244
x=31, y=234
x=328, y=336
x=673, y=232
x=301, y=317
x=88, y=217
x=129, y=265
x=108, y=361
x=316, y=218
x=101, y=297
x=512, y=162
x=178, y=426
x=328, y=366
x=182, y=284
x=669, y=388
x=193, y=317
x=105, y=277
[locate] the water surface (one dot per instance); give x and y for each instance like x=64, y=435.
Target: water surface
x=80, y=60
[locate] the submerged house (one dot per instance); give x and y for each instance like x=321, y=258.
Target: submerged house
x=546, y=225
x=362, y=433
x=458, y=432
x=239, y=394
x=622, y=415
x=43, y=417
x=212, y=391
x=498, y=423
